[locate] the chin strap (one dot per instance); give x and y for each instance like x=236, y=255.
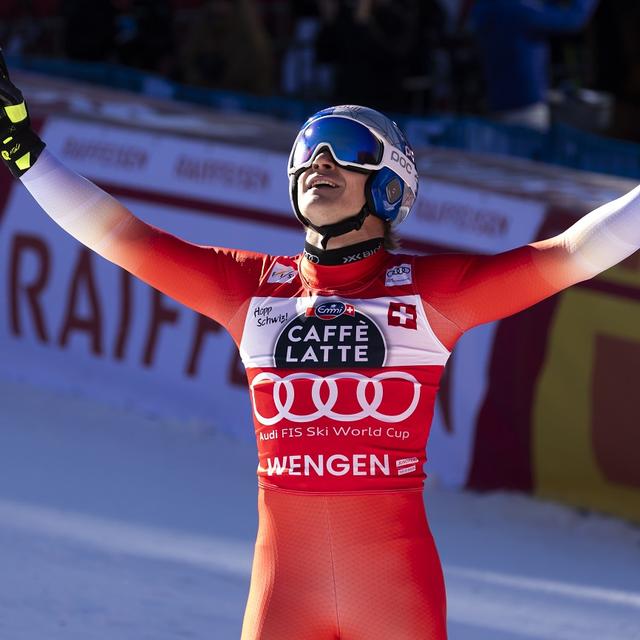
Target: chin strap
x=328, y=231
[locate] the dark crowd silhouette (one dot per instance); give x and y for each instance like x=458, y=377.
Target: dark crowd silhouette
x=576, y=61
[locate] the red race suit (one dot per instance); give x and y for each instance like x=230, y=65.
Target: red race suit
x=343, y=364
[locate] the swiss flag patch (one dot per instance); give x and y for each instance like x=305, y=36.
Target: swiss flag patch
x=402, y=315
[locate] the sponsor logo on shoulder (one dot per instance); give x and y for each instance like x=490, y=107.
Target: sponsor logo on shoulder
x=281, y=274
x=398, y=275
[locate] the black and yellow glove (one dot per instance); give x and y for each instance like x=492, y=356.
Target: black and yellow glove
x=19, y=144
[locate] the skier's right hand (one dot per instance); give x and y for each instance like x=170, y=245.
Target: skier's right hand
x=19, y=144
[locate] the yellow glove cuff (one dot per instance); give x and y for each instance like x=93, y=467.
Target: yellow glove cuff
x=17, y=112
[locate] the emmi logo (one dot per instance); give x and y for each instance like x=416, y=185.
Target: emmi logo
x=330, y=310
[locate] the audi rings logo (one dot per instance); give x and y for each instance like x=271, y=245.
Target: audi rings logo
x=289, y=401
x=311, y=257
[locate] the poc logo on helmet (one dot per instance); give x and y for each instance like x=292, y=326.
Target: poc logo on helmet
x=403, y=162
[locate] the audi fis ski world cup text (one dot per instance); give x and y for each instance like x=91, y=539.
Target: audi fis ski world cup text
x=338, y=431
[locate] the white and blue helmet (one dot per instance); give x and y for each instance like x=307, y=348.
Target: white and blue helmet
x=362, y=139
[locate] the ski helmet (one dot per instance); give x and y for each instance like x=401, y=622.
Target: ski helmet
x=362, y=139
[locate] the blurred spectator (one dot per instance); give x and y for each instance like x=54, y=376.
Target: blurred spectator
x=19, y=30
x=278, y=17
x=228, y=48
x=30, y=27
x=89, y=31
x=513, y=39
x=426, y=76
x=616, y=54
x=301, y=73
x=145, y=35
x=369, y=43
x=466, y=86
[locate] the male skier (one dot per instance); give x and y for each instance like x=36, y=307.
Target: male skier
x=344, y=345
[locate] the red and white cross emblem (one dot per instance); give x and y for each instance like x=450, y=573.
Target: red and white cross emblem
x=402, y=315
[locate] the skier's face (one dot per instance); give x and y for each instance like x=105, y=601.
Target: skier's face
x=329, y=193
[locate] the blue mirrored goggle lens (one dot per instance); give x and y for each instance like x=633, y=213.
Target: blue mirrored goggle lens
x=350, y=141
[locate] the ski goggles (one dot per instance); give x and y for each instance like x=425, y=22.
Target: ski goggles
x=350, y=143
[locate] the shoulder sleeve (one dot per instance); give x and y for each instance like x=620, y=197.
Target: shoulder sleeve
x=463, y=291
x=466, y=290
x=211, y=280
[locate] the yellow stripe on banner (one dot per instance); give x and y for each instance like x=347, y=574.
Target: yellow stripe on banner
x=17, y=112
x=586, y=421
x=24, y=162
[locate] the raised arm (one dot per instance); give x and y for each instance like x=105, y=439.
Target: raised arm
x=211, y=280
x=462, y=291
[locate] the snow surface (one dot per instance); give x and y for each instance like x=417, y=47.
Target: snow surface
x=116, y=525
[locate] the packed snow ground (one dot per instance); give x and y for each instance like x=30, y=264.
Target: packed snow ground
x=118, y=526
